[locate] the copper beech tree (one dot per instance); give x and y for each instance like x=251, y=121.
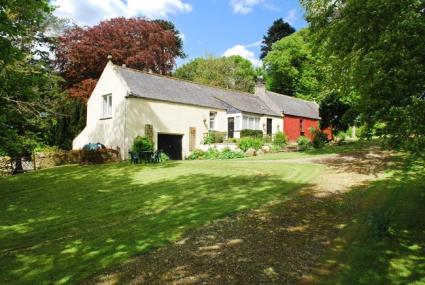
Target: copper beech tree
x=81, y=53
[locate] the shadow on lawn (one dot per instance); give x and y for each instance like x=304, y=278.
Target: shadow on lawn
x=307, y=240
x=366, y=252
x=92, y=217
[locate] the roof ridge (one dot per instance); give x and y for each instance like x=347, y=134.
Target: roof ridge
x=187, y=81
x=291, y=97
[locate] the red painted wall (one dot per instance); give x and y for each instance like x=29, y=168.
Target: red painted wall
x=329, y=133
x=292, y=126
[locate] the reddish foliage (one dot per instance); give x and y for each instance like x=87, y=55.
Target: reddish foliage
x=142, y=44
x=83, y=89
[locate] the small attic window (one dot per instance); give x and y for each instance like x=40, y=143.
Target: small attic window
x=107, y=106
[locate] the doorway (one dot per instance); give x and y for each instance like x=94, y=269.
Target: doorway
x=171, y=145
x=230, y=127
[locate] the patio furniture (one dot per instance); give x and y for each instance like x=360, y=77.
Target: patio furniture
x=134, y=157
x=146, y=156
x=156, y=158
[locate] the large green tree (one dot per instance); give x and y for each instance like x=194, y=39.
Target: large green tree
x=294, y=68
x=28, y=87
x=278, y=30
x=376, y=53
x=20, y=23
x=232, y=72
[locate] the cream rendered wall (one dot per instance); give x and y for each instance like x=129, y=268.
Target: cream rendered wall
x=169, y=118
x=109, y=132
x=277, y=124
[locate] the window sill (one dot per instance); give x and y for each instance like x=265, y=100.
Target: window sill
x=106, y=118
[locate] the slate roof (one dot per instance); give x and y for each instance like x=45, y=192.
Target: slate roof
x=292, y=106
x=163, y=88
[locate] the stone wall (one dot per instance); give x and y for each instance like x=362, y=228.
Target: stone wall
x=5, y=166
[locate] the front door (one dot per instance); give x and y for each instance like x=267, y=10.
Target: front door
x=269, y=126
x=230, y=127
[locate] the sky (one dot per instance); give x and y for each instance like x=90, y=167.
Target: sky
x=208, y=27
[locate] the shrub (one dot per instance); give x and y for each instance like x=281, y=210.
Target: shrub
x=232, y=140
x=251, y=133
x=163, y=157
x=196, y=154
x=303, y=143
x=213, y=153
x=279, y=140
x=319, y=138
x=267, y=138
x=227, y=153
x=340, y=137
x=142, y=144
x=248, y=142
x=214, y=137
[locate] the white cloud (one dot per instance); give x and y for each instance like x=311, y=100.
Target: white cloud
x=291, y=16
x=243, y=52
x=244, y=6
x=91, y=12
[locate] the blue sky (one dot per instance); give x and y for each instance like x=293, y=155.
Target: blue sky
x=216, y=27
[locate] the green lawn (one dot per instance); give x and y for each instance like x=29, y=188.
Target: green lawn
x=364, y=253
x=60, y=225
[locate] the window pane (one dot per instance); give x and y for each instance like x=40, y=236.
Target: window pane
x=245, y=123
x=257, y=123
x=212, y=120
x=251, y=123
x=104, y=106
x=237, y=123
x=110, y=105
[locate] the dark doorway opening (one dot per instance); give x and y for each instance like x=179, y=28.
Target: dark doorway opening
x=269, y=127
x=171, y=145
x=230, y=127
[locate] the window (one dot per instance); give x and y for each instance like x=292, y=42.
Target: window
x=107, y=106
x=237, y=122
x=213, y=116
x=245, y=123
x=250, y=123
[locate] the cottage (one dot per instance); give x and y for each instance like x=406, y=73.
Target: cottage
x=177, y=114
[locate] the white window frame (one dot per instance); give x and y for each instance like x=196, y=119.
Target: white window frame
x=238, y=122
x=250, y=123
x=106, y=106
x=213, y=120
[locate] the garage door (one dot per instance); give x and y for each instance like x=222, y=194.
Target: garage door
x=171, y=145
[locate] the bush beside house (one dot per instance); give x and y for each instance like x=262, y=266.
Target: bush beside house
x=213, y=153
x=251, y=133
x=142, y=144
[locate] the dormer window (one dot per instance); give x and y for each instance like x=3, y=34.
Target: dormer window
x=107, y=106
x=213, y=116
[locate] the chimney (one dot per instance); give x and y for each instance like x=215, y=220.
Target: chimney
x=260, y=88
x=124, y=66
x=110, y=58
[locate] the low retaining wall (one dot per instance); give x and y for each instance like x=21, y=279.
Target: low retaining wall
x=49, y=159
x=219, y=146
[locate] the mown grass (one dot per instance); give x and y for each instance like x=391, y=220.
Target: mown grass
x=383, y=241
x=346, y=147
x=60, y=225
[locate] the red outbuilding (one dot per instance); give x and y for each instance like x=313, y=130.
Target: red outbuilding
x=299, y=116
